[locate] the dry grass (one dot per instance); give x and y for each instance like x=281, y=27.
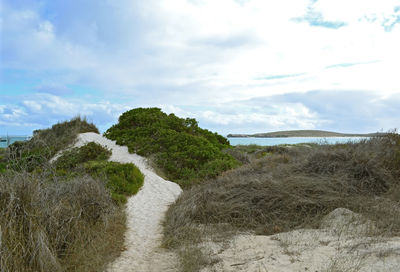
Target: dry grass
x=52, y=225
x=294, y=188
x=45, y=143
x=50, y=222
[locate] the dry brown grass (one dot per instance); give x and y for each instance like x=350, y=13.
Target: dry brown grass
x=45, y=143
x=54, y=225
x=294, y=188
x=53, y=222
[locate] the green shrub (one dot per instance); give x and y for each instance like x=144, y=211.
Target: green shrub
x=78, y=155
x=3, y=167
x=183, y=150
x=122, y=179
x=3, y=161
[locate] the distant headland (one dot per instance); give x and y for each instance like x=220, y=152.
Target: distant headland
x=302, y=133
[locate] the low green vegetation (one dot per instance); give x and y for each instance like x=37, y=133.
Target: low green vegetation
x=3, y=161
x=62, y=216
x=70, y=159
x=121, y=179
x=280, y=189
x=185, y=152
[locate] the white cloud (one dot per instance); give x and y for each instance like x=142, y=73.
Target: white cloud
x=44, y=110
x=355, y=10
x=188, y=54
x=32, y=105
x=213, y=44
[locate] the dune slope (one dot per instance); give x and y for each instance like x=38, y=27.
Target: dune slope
x=145, y=212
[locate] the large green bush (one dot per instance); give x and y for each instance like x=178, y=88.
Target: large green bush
x=183, y=150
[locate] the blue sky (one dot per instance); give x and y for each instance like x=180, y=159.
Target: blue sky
x=237, y=66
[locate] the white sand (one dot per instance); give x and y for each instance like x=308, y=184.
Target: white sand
x=342, y=244
x=145, y=212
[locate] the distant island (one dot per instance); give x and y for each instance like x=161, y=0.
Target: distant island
x=302, y=133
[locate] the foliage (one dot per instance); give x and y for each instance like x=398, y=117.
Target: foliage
x=183, y=150
x=123, y=179
x=45, y=143
x=3, y=161
x=79, y=155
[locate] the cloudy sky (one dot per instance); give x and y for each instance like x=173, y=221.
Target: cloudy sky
x=235, y=65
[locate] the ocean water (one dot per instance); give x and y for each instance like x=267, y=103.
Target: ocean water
x=12, y=139
x=293, y=140
x=247, y=141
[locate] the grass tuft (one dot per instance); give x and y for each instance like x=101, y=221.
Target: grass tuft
x=47, y=225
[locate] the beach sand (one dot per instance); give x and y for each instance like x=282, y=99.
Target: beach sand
x=145, y=212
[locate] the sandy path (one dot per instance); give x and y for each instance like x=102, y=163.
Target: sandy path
x=145, y=212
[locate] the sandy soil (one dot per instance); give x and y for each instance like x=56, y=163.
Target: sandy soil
x=145, y=212
x=343, y=243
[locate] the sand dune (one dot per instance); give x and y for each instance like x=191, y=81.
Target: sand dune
x=145, y=212
x=342, y=243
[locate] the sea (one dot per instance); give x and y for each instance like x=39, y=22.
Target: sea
x=293, y=140
x=7, y=140
x=244, y=141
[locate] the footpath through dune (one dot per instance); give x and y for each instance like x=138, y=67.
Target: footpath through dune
x=145, y=212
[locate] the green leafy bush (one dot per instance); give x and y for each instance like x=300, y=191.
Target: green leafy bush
x=78, y=155
x=183, y=150
x=122, y=179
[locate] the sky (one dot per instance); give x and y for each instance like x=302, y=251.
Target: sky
x=237, y=66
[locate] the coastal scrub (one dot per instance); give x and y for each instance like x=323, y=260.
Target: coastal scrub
x=185, y=152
